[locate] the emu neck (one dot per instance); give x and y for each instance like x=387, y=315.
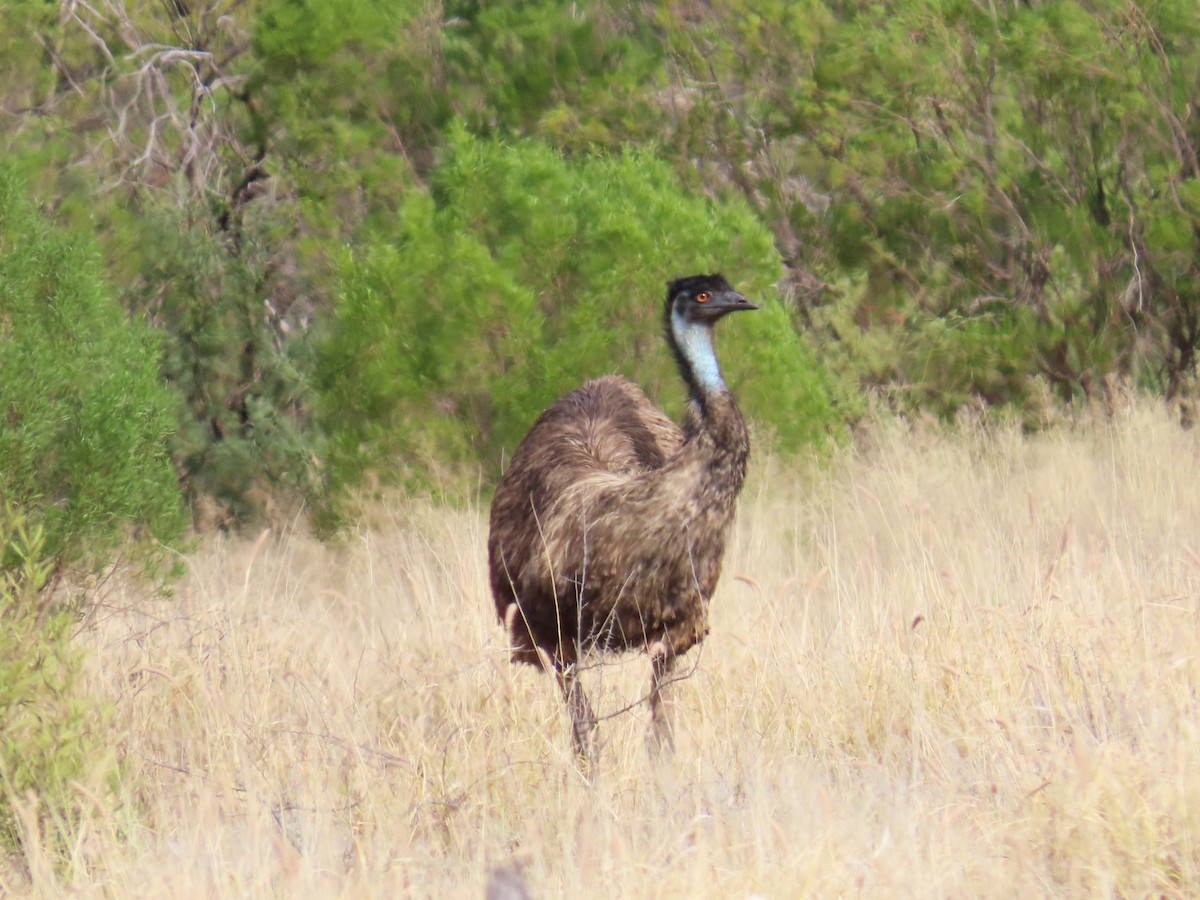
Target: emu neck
x=693, y=345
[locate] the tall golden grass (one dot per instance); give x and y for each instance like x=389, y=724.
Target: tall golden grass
x=948, y=665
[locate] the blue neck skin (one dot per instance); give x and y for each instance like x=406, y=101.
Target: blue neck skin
x=695, y=343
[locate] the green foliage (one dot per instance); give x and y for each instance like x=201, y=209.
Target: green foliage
x=568, y=72
x=50, y=734
x=83, y=447
x=530, y=274
x=242, y=372
x=420, y=321
x=348, y=103
x=27, y=79
x=970, y=202
x=955, y=158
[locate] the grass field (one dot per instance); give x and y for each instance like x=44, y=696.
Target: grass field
x=948, y=665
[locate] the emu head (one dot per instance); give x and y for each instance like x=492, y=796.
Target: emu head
x=694, y=304
x=701, y=299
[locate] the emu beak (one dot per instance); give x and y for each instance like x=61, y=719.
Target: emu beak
x=729, y=301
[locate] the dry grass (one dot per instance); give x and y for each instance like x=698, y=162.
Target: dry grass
x=951, y=666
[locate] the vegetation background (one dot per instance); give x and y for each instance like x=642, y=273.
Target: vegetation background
x=265, y=262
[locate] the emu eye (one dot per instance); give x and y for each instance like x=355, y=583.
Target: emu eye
x=703, y=297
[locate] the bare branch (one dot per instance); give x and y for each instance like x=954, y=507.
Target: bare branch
x=168, y=98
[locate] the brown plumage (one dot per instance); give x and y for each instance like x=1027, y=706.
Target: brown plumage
x=608, y=528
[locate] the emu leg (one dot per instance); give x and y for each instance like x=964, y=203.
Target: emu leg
x=662, y=733
x=583, y=720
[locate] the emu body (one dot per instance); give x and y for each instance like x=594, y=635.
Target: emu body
x=608, y=528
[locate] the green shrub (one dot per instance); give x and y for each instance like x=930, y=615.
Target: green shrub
x=524, y=275
x=241, y=369
x=49, y=732
x=1005, y=189
x=84, y=421
x=574, y=74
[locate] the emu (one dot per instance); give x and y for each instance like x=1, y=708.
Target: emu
x=608, y=527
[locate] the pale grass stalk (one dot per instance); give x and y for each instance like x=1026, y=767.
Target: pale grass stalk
x=952, y=665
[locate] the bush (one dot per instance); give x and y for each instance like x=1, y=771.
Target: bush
x=230, y=349
x=85, y=421
x=48, y=731
x=523, y=275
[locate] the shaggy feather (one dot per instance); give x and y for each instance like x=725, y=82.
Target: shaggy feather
x=608, y=528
